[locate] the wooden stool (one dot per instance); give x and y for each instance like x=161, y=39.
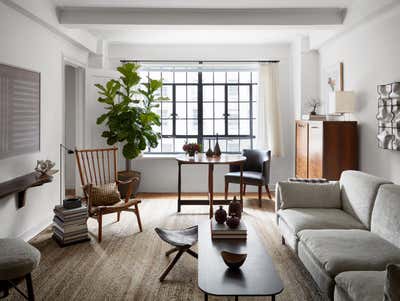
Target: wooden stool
x=181, y=240
x=17, y=260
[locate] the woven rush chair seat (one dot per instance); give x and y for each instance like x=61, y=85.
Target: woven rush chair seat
x=182, y=241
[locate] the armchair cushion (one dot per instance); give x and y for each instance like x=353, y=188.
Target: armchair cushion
x=308, y=195
x=103, y=195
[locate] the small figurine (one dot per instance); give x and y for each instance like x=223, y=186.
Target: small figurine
x=44, y=166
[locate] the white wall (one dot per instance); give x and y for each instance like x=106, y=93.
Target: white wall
x=160, y=175
x=370, y=53
x=28, y=44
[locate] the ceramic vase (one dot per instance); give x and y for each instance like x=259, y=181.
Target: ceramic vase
x=220, y=215
x=233, y=221
x=217, y=149
x=235, y=208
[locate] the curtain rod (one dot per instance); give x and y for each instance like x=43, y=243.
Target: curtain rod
x=193, y=61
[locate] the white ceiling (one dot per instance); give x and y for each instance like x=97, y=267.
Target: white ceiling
x=202, y=34
x=205, y=3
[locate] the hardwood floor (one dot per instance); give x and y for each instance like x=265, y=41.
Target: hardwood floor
x=127, y=264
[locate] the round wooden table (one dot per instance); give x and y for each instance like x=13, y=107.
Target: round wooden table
x=202, y=159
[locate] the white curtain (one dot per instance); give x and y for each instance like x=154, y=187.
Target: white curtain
x=268, y=130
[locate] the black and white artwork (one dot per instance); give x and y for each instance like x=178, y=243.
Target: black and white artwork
x=388, y=116
x=19, y=111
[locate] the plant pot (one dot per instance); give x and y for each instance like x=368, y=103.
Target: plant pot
x=127, y=175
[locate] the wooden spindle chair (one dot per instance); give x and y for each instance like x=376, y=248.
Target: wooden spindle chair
x=99, y=167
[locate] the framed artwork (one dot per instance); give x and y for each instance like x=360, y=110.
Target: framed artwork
x=332, y=81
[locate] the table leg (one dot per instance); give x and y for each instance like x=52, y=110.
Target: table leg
x=205, y=297
x=241, y=184
x=179, y=186
x=273, y=297
x=211, y=188
x=236, y=298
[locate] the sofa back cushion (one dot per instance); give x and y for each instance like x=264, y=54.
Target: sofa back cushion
x=309, y=195
x=386, y=214
x=358, y=193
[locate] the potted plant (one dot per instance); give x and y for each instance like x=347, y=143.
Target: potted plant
x=129, y=116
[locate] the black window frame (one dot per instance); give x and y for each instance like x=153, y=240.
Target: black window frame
x=201, y=137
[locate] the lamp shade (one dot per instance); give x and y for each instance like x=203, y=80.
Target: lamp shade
x=342, y=102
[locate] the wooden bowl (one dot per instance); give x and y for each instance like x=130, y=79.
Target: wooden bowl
x=233, y=260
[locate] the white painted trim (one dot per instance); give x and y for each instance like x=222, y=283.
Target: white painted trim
x=32, y=232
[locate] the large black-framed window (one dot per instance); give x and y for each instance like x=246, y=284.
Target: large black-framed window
x=204, y=104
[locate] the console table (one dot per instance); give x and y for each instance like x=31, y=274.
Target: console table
x=20, y=184
x=201, y=159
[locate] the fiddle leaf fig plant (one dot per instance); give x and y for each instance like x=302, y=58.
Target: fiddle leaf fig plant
x=130, y=118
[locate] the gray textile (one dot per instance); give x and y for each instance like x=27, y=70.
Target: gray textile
x=392, y=283
x=291, y=239
x=339, y=251
x=386, y=214
x=358, y=192
x=361, y=285
x=315, y=218
x=308, y=195
x=17, y=258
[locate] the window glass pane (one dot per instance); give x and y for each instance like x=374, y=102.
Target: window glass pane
x=155, y=75
x=180, y=127
x=232, y=77
x=192, y=93
x=233, y=126
x=192, y=77
x=233, y=146
x=167, y=145
x=219, y=110
x=244, y=128
x=244, y=93
x=208, y=128
x=245, y=144
x=166, y=109
x=143, y=76
x=245, y=77
x=219, y=127
x=156, y=149
x=222, y=145
x=157, y=110
x=244, y=110
x=179, y=142
x=166, y=126
x=192, y=127
x=167, y=92
x=168, y=77
x=180, y=93
x=180, y=77
x=208, y=110
x=233, y=110
x=219, y=77
x=207, y=77
x=181, y=110
x=208, y=93
x=156, y=128
x=192, y=110
x=233, y=93
x=254, y=77
x=219, y=93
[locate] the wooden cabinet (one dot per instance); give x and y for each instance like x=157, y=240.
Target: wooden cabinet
x=325, y=148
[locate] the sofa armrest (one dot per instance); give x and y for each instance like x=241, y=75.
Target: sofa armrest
x=307, y=195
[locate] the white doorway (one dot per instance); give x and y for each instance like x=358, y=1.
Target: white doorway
x=74, y=82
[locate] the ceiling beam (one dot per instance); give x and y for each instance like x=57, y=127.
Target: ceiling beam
x=191, y=16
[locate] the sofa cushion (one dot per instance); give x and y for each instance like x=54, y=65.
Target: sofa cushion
x=362, y=285
x=339, y=251
x=386, y=213
x=315, y=218
x=358, y=192
x=309, y=195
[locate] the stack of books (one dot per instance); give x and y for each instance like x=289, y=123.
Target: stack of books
x=69, y=225
x=222, y=231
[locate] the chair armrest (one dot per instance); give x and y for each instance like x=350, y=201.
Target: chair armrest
x=308, y=195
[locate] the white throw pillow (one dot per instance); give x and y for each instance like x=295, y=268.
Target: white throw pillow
x=310, y=195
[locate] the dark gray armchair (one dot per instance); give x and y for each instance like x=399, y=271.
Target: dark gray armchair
x=256, y=171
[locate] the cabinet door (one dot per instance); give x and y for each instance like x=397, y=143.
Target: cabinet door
x=315, y=150
x=301, y=149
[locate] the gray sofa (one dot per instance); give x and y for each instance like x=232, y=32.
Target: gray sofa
x=345, y=232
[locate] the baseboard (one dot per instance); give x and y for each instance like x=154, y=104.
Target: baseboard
x=31, y=233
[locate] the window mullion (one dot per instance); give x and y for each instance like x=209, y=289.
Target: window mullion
x=200, y=108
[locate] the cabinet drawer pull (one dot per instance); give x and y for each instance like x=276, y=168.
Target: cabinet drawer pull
x=315, y=127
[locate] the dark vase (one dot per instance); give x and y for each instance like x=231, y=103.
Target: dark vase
x=233, y=221
x=235, y=208
x=313, y=113
x=217, y=149
x=191, y=153
x=220, y=215
x=209, y=153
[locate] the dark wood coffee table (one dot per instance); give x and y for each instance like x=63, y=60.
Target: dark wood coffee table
x=256, y=277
